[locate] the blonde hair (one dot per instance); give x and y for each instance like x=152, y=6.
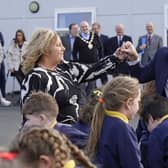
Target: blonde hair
x=36, y=141
x=38, y=45
x=115, y=93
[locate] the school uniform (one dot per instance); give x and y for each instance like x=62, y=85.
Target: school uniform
x=117, y=145
x=158, y=145
x=76, y=136
x=82, y=127
x=144, y=147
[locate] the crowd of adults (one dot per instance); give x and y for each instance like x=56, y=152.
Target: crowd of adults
x=67, y=121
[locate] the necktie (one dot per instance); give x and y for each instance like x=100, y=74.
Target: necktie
x=120, y=41
x=149, y=39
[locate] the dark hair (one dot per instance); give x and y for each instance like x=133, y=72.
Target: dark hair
x=70, y=26
x=23, y=34
x=155, y=106
x=96, y=23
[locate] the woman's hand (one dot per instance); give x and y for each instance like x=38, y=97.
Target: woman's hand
x=120, y=55
x=126, y=52
x=128, y=49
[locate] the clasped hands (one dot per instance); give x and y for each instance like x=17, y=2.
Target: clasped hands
x=126, y=52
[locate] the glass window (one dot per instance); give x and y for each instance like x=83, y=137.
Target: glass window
x=64, y=17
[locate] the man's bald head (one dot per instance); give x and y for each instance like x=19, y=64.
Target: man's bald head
x=119, y=28
x=149, y=27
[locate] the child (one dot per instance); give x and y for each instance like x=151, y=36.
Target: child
x=41, y=109
x=155, y=115
x=41, y=147
x=112, y=140
x=86, y=112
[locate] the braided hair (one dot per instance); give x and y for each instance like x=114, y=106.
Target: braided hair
x=34, y=141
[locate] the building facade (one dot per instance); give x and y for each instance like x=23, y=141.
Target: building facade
x=134, y=14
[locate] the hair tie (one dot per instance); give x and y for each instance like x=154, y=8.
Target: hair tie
x=101, y=100
x=7, y=155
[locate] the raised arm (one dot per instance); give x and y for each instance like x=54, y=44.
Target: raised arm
x=143, y=73
x=85, y=73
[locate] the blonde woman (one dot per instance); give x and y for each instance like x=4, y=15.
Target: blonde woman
x=112, y=140
x=46, y=71
x=38, y=147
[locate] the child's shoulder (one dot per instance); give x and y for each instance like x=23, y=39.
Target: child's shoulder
x=161, y=130
x=117, y=124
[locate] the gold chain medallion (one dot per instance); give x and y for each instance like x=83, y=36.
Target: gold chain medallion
x=90, y=45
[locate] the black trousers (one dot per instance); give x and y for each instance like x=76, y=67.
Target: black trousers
x=2, y=80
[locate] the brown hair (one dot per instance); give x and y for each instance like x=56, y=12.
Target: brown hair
x=23, y=34
x=87, y=111
x=40, y=103
x=33, y=142
x=149, y=88
x=115, y=93
x=97, y=24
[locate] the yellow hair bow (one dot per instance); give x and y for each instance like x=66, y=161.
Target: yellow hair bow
x=70, y=164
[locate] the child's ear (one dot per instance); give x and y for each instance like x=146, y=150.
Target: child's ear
x=45, y=162
x=129, y=102
x=43, y=117
x=150, y=120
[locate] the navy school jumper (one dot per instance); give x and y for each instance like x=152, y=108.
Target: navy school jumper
x=118, y=146
x=158, y=145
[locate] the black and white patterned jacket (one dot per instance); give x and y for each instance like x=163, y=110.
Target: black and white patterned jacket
x=63, y=84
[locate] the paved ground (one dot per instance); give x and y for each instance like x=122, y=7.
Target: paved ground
x=10, y=120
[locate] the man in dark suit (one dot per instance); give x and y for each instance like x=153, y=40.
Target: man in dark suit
x=156, y=70
x=68, y=41
x=87, y=46
x=116, y=41
x=87, y=50
x=103, y=39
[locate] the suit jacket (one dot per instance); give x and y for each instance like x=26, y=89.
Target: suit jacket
x=81, y=52
x=150, y=50
x=104, y=39
x=156, y=70
x=112, y=43
x=67, y=44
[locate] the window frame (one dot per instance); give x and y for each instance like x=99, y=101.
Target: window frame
x=165, y=40
x=92, y=10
